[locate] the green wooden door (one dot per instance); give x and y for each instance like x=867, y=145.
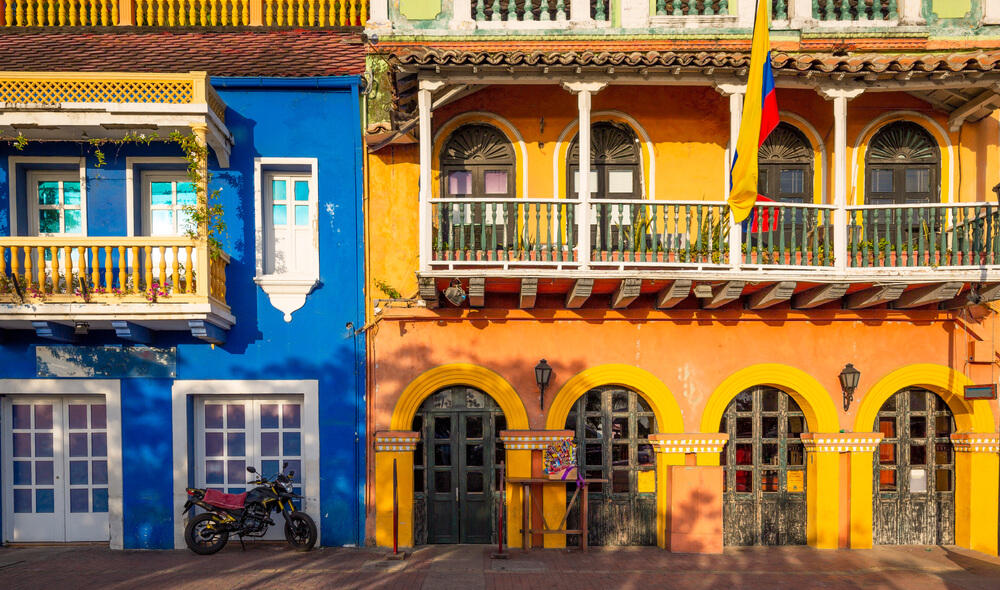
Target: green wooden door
x=456, y=468
x=914, y=501
x=764, y=499
x=612, y=426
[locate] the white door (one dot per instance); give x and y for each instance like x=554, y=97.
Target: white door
x=232, y=434
x=58, y=466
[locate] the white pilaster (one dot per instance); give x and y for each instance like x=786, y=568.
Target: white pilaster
x=580, y=11
x=584, y=92
x=840, y=96
x=635, y=14
x=735, y=92
x=424, y=101
x=461, y=16
x=800, y=14
x=378, y=20
x=909, y=12
x=745, y=12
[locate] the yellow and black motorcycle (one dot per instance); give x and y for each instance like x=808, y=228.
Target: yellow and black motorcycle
x=247, y=514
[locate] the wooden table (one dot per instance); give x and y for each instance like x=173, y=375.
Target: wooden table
x=527, y=501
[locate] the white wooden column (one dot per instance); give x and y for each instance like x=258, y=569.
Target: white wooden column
x=635, y=14
x=584, y=92
x=840, y=96
x=461, y=16
x=800, y=14
x=378, y=18
x=735, y=92
x=580, y=11
x=424, y=101
x=909, y=12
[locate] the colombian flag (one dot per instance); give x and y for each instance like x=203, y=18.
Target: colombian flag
x=760, y=117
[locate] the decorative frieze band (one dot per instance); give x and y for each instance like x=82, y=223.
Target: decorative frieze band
x=533, y=440
x=840, y=442
x=974, y=442
x=689, y=442
x=396, y=441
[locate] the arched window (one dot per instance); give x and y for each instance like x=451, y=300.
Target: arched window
x=785, y=164
x=615, y=173
x=477, y=162
x=903, y=166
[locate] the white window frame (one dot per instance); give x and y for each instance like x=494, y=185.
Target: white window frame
x=287, y=292
x=183, y=390
x=64, y=164
x=146, y=179
x=111, y=390
x=172, y=166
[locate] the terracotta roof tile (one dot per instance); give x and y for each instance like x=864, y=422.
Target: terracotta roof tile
x=284, y=53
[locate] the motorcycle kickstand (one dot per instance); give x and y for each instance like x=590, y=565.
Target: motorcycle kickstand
x=241, y=543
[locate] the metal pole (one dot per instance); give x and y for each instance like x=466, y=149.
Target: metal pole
x=395, y=511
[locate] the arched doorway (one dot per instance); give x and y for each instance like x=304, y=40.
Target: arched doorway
x=764, y=499
x=456, y=467
x=914, y=499
x=612, y=425
x=785, y=166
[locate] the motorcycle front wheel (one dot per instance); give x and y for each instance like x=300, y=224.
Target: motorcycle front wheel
x=204, y=536
x=300, y=531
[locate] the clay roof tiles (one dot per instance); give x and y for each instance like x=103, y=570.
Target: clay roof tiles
x=284, y=53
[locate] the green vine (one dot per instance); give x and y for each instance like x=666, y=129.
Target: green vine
x=388, y=289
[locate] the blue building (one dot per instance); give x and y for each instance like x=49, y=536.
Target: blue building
x=138, y=356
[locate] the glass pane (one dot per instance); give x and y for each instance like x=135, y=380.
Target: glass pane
x=887, y=480
x=77, y=416
x=99, y=444
x=474, y=482
x=646, y=456
x=214, y=472
x=769, y=454
x=442, y=400
x=78, y=444
x=769, y=481
x=44, y=473
x=418, y=455
x=619, y=401
x=460, y=182
x=442, y=455
x=918, y=180
x=269, y=446
x=73, y=221
x=793, y=406
x=48, y=221
x=595, y=427
x=762, y=181
x=442, y=482
x=418, y=482
x=918, y=426
x=22, y=417
x=71, y=193
x=214, y=444
x=744, y=401
x=22, y=473
x=45, y=501
x=918, y=401
x=769, y=400
x=43, y=444
x=22, y=444
x=98, y=416
x=619, y=454
x=100, y=499
x=596, y=487
x=796, y=426
x=496, y=182
x=22, y=501
x=474, y=399
x=792, y=181
x=474, y=427
x=918, y=481
x=162, y=222
x=79, y=473
x=887, y=454
x=279, y=214
x=99, y=472
x=474, y=455
x=744, y=428
x=769, y=427
x=301, y=215
x=186, y=194
x=744, y=454
x=619, y=427
x=235, y=416
x=291, y=443
x=278, y=190
x=594, y=455
x=887, y=426
x=48, y=193
x=301, y=190
x=918, y=455
x=744, y=481
x=619, y=482
x=593, y=401
x=943, y=426
x=268, y=416
x=236, y=471
x=942, y=480
x=236, y=444
x=796, y=456
x=881, y=180
x=593, y=181
x=942, y=453
x=620, y=181
x=161, y=193
x=644, y=426
x=213, y=415
x=442, y=427
x=291, y=415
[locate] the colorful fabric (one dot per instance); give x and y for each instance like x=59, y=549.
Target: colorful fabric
x=559, y=457
x=760, y=117
x=231, y=501
x=762, y=219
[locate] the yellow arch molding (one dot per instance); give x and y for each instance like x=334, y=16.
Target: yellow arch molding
x=438, y=378
x=944, y=381
x=821, y=415
x=668, y=413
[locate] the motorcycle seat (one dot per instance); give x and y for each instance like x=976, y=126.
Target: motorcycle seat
x=230, y=501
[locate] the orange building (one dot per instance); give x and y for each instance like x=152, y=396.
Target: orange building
x=701, y=368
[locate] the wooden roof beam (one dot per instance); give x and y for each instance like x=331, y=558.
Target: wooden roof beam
x=529, y=291
x=477, y=291
x=772, y=295
x=987, y=292
x=579, y=294
x=988, y=99
x=627, y=292
x=875, y=296
x=819, y=295
x=673, y=294
x=927, y=295
x=725, y=293
x=428, y=291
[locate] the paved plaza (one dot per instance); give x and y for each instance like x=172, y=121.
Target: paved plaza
x=470, y=567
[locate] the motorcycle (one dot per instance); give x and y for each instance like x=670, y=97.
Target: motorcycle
x=247, y=514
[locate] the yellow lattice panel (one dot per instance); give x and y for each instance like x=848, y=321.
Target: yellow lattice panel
x=60, y=91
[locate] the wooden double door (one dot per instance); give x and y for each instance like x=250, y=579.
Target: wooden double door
x=914, y=470
x=764, y=491
x=456, y=474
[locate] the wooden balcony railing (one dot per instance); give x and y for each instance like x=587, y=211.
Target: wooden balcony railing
x=545, y=233
x=184, y=13
x=104, y=270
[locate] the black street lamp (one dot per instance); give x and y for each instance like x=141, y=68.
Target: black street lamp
x=543, y=372
x=849, y=377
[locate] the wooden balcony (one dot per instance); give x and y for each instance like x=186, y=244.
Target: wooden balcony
x=134, y=285
x=940, y=250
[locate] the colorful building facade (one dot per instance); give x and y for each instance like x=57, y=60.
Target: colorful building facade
x=696, y=362
x=137, y=357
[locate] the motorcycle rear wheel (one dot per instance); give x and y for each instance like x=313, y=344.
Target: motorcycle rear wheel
x=300, y=531
x=200, y=536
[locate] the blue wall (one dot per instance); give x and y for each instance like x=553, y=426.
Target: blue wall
x=267, y=120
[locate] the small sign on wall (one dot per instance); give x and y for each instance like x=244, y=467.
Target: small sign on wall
x=974, y=392
x=795, y=481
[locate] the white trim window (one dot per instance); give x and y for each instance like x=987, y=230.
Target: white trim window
x=57, y=204
x=165, y=197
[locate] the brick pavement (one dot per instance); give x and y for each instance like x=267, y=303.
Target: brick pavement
x=470, y=568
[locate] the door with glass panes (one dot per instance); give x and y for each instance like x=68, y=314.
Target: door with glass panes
x=914, y=500
x=764, y=490
x=456, y=467
x=234, y=433
x=612, y=426
x=56, y=452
